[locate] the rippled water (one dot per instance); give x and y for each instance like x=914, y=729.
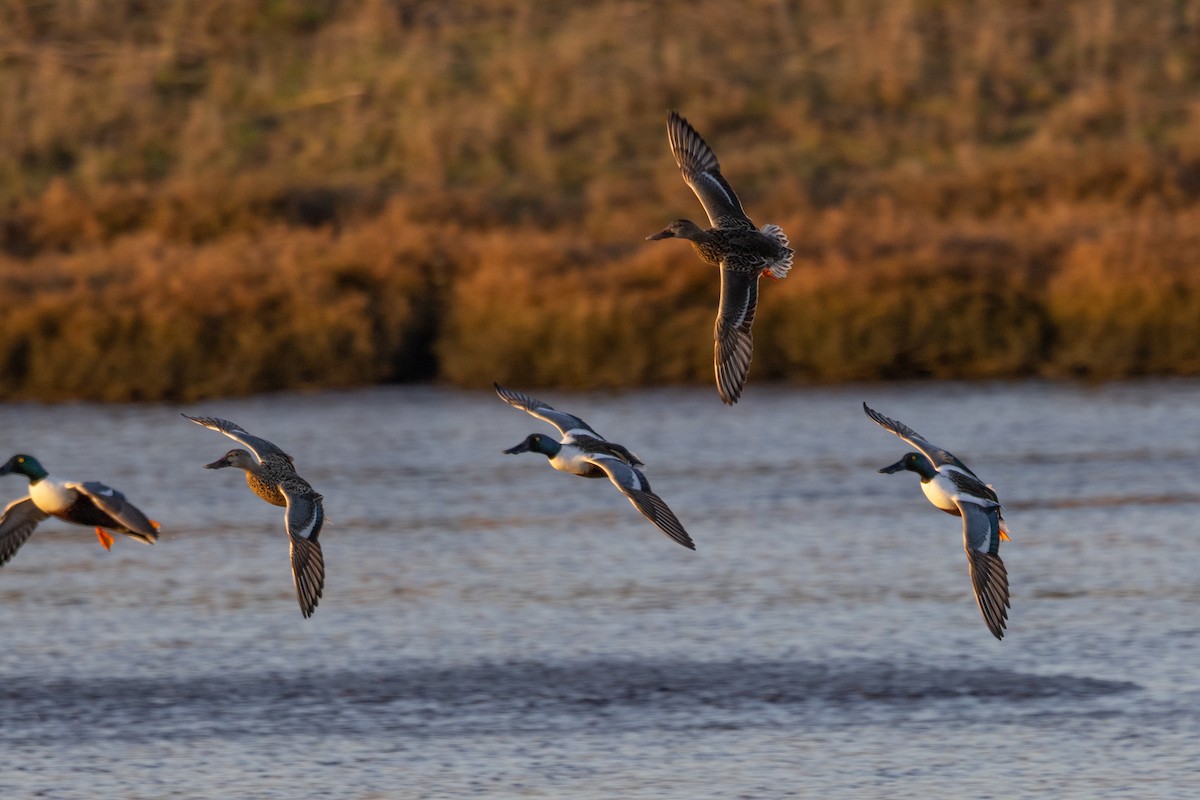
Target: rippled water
x=491, y=628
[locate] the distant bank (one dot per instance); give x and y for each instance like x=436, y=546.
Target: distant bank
x=319, y=194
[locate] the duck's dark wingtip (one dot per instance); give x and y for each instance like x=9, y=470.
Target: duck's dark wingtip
x=876, y=417
x=675, y=119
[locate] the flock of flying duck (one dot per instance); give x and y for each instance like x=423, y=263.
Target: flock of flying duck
x=742, y=252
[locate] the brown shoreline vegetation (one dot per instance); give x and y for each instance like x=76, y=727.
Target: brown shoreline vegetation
x=202, y=199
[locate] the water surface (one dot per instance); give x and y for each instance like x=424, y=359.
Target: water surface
x=491, y=628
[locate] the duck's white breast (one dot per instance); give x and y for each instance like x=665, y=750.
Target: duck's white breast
x=571, y=459
x=940, y=491
x=51, y=496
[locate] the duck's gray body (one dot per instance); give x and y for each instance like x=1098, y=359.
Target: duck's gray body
x=271, y=474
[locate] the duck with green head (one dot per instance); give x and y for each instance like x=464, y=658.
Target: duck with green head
x=955, y=489
x=585, y=453
x=84, y=503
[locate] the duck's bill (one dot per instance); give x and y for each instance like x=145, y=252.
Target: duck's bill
x=218, y=464
x=899, y=465
x=523, y=447
x=663, y=234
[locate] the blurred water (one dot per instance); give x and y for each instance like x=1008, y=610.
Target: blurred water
x=491, y=628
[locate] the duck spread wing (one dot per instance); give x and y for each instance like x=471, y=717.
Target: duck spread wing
x=937, y=455
x=308, y=573
x=567, y=424
x=702, y=173
x=989, y=577
x=735, y=345
x=17, y=524
x=634, y=485
x=305, y=517
x=125, y=514
x=261, y=448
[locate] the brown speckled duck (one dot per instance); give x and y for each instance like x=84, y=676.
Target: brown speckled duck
x=743, y=252
x=270, y=474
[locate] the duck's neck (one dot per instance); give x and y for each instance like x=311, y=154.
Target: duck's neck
x=36, y=474
x=698, y=236
x=926, y=470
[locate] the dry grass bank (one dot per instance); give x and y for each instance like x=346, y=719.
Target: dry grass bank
x=226, y=197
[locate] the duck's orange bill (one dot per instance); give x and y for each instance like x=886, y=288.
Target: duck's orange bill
x=106, y=538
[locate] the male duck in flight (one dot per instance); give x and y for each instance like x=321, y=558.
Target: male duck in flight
x=88, y=503
x=586, y=453
x=742, y=252
x=953, y=488
x=271, y=475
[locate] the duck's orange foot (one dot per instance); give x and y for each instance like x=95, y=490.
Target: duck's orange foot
x=106, y=538
x=766, y=273
x=154, y=524
x=1004, y=537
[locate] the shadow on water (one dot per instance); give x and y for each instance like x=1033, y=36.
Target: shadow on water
x=416, y=699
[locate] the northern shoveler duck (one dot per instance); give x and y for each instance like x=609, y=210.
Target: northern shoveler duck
x=742, y=252
x=586, y=453
x=89, y=503
x=953, y=488
x=270, y=474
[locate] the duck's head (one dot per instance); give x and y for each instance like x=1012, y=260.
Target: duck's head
x=236, y=457
x=679, y=229
x=24, y=465
x=536, y=443
x=913, y=462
